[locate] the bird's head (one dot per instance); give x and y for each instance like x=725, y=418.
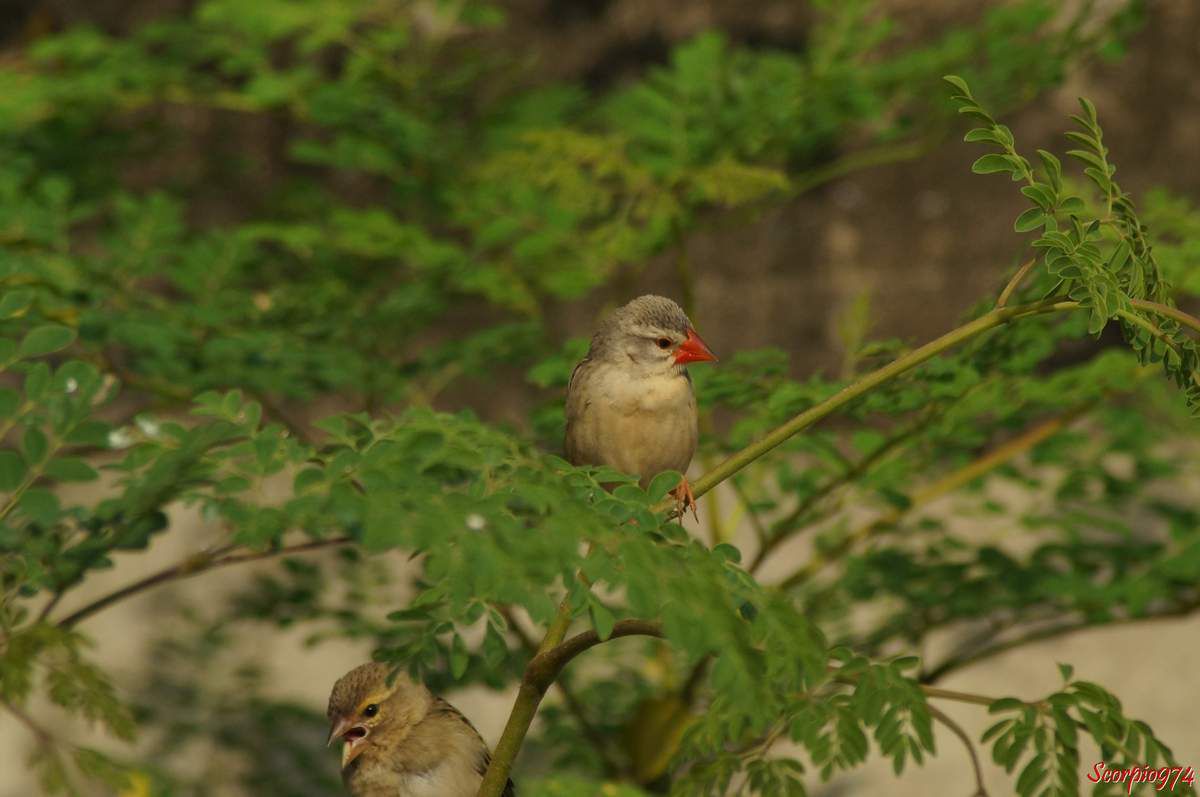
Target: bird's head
x=369, y=709
x=653, y=333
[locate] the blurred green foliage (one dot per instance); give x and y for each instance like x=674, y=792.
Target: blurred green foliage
x=357, y=205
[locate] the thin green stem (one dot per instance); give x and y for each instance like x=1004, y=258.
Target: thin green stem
x=988, y=321
x=782, y=531
x=1015, y=282
x=957, y=730
x=1058, y=630
x=863, y=159
x=952, y=481
x=31, y=476
x=1170, y=312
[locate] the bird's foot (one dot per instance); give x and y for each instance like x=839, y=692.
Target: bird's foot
x=684, y=499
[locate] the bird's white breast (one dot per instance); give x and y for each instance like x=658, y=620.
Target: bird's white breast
x=636, y=424
x=448, y=780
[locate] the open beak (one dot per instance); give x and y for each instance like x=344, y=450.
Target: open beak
x=353, y=738
x=693, y=350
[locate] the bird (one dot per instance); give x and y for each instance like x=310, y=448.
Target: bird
x=630, y=404
x=401, y=740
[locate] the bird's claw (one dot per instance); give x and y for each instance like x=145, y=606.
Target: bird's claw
x=684, y=499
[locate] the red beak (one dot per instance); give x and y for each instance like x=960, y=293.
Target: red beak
x=693, y=350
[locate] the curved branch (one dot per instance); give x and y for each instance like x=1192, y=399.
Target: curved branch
x=574, y=706
x=957, y=730
x=1170, y=312
x=1051, y=632
x=1015, y=282
x=947, y=484
x=192, y=566
x=539, y=674
x=779, y=533
x=545, y=667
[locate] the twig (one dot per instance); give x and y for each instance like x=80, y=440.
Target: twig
x=43, y=736
x=50, y=605
x=760, y=531
x=1015, y=282
x=958, y=661
x=957, y=730
x=780, y=529
x=865, y=384
x=298, y=429
x=1171, y=312
x=1154, y=332
x=863, y=159
x=191, y=566
x=539, y=674
x=947, y=484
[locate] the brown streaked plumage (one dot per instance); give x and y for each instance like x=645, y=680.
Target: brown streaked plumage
x=400, y=740
x=629, y=402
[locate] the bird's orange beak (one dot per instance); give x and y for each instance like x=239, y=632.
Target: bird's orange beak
x=693, y=350
x=353, y=738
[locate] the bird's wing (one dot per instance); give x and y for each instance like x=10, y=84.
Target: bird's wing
x=581, y=368
x=578, y=398
x=485, y=760
x=443, y=708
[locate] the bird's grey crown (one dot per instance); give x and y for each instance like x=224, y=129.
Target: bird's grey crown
x=649, y=311
x=354, y=686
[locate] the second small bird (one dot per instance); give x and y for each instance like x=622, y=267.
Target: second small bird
x=630, y=404
x=399, y=740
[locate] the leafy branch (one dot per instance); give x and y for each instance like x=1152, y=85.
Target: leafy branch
x=194, y=565
x=528, y=698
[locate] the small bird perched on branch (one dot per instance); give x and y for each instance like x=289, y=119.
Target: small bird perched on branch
x=629, y=402
x=400, y=740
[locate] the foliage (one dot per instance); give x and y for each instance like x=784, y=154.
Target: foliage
x=169, y=326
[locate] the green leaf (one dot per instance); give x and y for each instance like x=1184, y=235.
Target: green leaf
x=34, y=444
x=1066, y=671
x=1006, y=704
x=996, y=729
x=1032, y=775
x=993, y=163
x=12, y=469
x=9, y=401
x=1041, y=195
x=958, y=83
x=45, y=340
x=1053, y=167
x=39, y=505
x=70, y=469
x=662, y=484
x=727, y=552
x=602, y=617
x=982, y=134
x=459, y=657
x=15, y=302
x=1031, y=219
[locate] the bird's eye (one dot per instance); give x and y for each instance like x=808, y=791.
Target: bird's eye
x=663, y=343
x=371, y=710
